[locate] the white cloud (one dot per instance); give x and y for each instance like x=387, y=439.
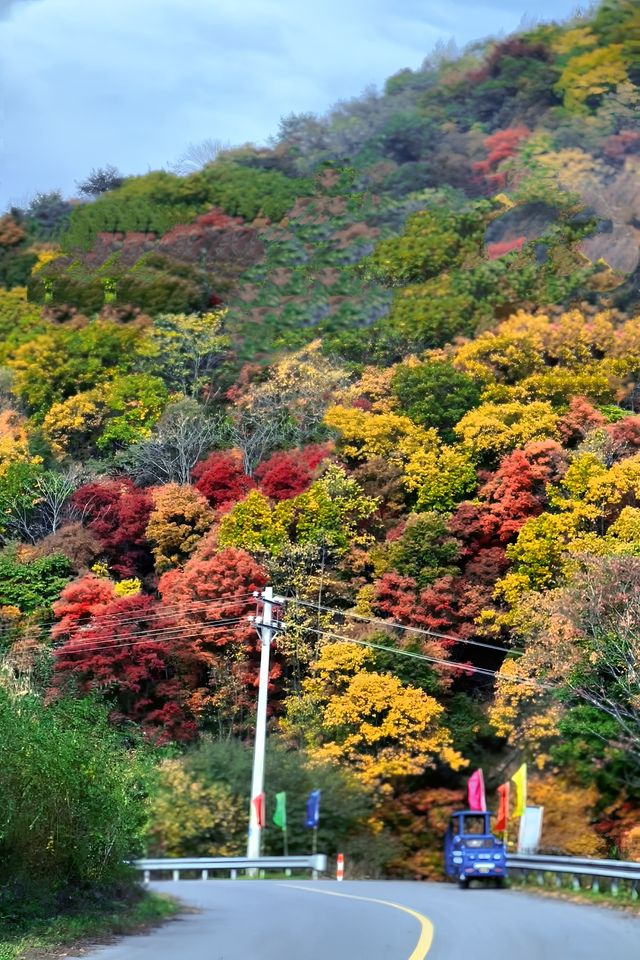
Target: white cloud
x=132, y=82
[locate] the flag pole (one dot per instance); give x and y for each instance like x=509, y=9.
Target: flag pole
x=285, y=840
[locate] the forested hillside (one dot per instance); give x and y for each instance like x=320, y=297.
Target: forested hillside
x=389, y=365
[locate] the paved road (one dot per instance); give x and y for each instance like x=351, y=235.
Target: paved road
x=305, y=920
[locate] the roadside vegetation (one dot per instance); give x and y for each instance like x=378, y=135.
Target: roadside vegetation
x=389, y=366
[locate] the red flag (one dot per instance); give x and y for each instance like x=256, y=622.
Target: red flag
x=258, y=806
x=503, y=809
x=475, y=792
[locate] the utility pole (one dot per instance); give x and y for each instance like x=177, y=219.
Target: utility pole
x=265, y=626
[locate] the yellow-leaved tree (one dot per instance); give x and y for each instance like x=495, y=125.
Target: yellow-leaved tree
x=180, y=517
x=493, y=429
x=567, y=823
x=382, y=729
x=191, y=818
x=591, y=74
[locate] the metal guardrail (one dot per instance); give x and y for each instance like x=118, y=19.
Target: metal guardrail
x=316, y=863
x=576, y=867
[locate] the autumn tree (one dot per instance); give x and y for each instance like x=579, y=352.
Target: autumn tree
x=126, y=651
x=580, y=639
x=65, y=360
x=211, y=597
x=590, y=75
x=288, y=473
x=77, y=543
x=493, y=429
x=180, y=517
x=371, y=722
x=221, y=478
x=118, y=512
x=191, y=818
x=331, y=515
x=184, y=350
x=568, y=826
x=500, y=146
x=516, y=491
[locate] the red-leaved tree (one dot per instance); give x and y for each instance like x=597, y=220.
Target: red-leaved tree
x=221, y=478
x=500, y=146
x=290, y=472
x=578, y=421
x=118, y=513
x=130, y=651
x=211, y=599
x=509, y=497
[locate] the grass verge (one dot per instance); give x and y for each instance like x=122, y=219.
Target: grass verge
x=74, y=934
x=623, y=901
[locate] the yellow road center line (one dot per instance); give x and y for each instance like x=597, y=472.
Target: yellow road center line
x=426, y=927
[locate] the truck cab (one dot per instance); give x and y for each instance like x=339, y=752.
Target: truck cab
x=471, y=851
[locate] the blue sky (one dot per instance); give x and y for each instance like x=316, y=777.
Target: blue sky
x=133, y=82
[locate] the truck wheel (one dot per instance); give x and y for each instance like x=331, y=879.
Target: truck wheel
x=463, y=883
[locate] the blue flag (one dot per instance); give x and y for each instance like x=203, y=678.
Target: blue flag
x=313, y=809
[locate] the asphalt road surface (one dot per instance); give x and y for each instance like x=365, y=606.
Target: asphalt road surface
x=370, y=920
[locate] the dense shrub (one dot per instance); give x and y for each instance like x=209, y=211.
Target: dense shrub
x=73, y=805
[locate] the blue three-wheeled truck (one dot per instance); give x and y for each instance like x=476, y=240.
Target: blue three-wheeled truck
x=471, y=851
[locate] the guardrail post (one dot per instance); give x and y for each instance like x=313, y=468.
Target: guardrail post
x=147, y=875
x=575, y=882
x=595, y=885
x=634, y=890
x=234, y=874
x=558, y=879
x=205, y=874
x=176, y=875
x=614, y=888
x=540, y=878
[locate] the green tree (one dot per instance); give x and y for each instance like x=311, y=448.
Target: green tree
x=184, y=349
x=425, y=551
x=346, y=805
x=435, y=394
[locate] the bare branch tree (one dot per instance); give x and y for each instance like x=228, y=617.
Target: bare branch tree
x=198, y=155
x=181, y=438
x=41, y=506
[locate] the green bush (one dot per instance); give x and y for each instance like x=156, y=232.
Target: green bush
x=73, y=802
x=248, y=192
x=35, y=585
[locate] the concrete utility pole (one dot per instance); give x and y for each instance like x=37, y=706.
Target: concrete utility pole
x=265, y=627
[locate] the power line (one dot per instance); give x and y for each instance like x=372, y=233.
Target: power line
x=450, y=664
x=73, y=648
x=401, y=626
x=165, y=611
x=178, y=628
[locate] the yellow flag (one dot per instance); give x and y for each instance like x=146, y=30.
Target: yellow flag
x=520, y=780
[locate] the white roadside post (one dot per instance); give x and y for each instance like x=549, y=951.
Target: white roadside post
x=265, y=625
